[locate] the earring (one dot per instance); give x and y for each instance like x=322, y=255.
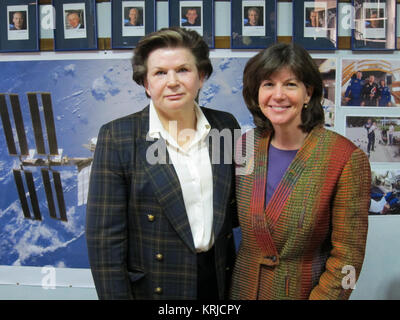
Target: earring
x=305, y=106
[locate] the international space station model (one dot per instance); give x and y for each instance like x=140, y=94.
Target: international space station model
x=46, y=156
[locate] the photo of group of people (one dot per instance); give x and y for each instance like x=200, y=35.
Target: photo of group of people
x=133, y=18
x=375, y=24
x=385, y=192
x=370, y=83
x=378, y=137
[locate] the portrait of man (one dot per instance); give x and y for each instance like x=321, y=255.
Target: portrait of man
x=192, y=16
x=18, y=20
x=315, y=18
x=373, y=20
x=74, y=20
x=134, y=18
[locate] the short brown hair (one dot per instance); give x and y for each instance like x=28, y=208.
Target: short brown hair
x=278, y=56
x=173, y=37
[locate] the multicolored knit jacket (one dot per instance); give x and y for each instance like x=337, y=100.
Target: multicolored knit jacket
x=309, y=242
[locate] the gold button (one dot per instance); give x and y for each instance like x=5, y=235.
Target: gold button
x=158, y=290
x=159, y=256
x=150, y=217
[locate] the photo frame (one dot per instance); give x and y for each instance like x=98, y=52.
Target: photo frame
x=374, y=25
x=19, y=27
x=370, y=83
x=315, y=24
x=195, y=15
x=131, y=20
x=385, y=187
x=253, y=24
x=75, y=25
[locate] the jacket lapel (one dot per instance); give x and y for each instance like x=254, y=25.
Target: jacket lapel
x=165, y=181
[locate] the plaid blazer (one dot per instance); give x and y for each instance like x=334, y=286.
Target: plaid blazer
x=138, y=235
x=310, y=239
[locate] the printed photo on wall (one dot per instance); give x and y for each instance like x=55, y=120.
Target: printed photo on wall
x=327, y=68
x=375, y=25
x=370, y=83
x=133, y=18
x=18, y=23
x=74, y=21
x=385, y=191
x=315, y=21
x=253, y=18
x=378, y=137
x=191, y=15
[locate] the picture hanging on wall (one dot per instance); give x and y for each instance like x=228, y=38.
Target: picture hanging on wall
x=315, y=24
x=131, y=20
x=370, y=83
x=19, y=26
x=374, y=25
x=194, y=15
x=378, y=136
x=75, y=25
x=385, y=191
x=253, y=24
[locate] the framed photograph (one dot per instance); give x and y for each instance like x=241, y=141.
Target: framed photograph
x=131, y=20
x=374, y=25
x=378, y=136
x=385, y=191
x=75, y=25
x=370, y=83
x=195, y=15
x=19, y=26
x=253, y=24
x=315, y=24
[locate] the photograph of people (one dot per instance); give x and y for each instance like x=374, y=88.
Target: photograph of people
x=191, y=16
x=74, y=19
x=316, y=17
x=352, y=95
x=18, y=19
x=385, y=192
x=299, y=219
x=369, y=92
x=373, y=20
x=160, y=213
x=253, y=16
x=134, y=18
x=378, y=137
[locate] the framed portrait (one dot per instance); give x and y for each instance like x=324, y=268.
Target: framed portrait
x=75, y=25
x=253, y=24
x=131, y=20
x=374, y=25
x=315, y=24
x=19, y=28
x=385, y=184
x=197, y=15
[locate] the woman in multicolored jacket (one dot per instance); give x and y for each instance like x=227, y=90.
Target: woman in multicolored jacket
x=303, y=202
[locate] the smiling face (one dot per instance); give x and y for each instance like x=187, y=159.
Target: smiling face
x=253, y=17
x=172, y=81
x=281, y=99
x=133, y=16
x=73, y=20
x=191, y=15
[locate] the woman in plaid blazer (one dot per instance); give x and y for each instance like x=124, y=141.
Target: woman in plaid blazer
x=303, y=204
x=160, y=213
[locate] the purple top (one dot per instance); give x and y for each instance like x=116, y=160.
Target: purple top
x=278, y=162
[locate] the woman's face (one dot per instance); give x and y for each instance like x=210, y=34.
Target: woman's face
x=281, y=98
x=172, y=80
